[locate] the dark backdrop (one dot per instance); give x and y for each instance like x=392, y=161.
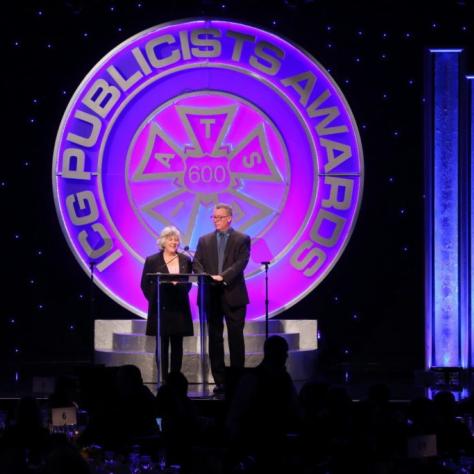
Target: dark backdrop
x=370, y=308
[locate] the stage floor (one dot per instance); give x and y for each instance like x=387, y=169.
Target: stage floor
x=38, y=380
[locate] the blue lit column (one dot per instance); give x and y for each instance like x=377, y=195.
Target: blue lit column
x=446, y=321
x=470, y=211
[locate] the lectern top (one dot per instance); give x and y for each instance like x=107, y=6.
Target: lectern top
x=180, y=277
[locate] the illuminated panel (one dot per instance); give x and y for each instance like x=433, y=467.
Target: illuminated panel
x=470, y=194
x=442, y=233
x=187, y=114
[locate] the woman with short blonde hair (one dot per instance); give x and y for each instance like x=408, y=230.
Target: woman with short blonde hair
x=175, y=312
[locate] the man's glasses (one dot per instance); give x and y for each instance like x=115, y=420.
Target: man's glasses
x=218, y=218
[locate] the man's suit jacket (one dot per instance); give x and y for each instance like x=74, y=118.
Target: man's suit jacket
x=236, y=257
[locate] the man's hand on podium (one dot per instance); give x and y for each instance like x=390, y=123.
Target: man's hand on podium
x=217, y=277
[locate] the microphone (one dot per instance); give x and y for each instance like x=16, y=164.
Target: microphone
x=188, y=251
x=170, y=260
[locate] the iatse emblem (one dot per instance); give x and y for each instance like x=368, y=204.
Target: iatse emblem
x=188, y=114
x=202, y=148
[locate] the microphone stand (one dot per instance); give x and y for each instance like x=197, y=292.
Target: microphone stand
x=266, y=264
x=202, y=283
x=92, y=265
x=91, y=293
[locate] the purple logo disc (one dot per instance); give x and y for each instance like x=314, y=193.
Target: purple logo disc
x=188, y=114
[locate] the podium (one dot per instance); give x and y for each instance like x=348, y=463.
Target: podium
x=202, y=279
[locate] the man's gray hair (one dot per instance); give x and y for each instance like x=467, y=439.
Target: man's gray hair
x=169, y=231
x=222, y=205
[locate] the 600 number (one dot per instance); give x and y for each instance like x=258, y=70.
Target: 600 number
x=207, y=174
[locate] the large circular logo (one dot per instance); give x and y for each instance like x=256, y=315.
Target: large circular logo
x=188, y=114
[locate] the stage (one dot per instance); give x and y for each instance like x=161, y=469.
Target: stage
x=340, y=139
x=38, y=380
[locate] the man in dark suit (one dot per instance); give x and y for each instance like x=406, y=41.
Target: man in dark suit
x=224, y=254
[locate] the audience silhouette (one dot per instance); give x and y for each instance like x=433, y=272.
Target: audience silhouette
x=65, y=393
x=179, y=419
x=264, y=410
x=25, y=443
x=452, y=434
x=122, y=412
x=268, y=428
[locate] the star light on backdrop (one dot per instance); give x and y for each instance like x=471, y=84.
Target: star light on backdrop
x=377, y=287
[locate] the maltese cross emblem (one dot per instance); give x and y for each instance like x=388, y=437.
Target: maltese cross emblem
x=202, y=149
